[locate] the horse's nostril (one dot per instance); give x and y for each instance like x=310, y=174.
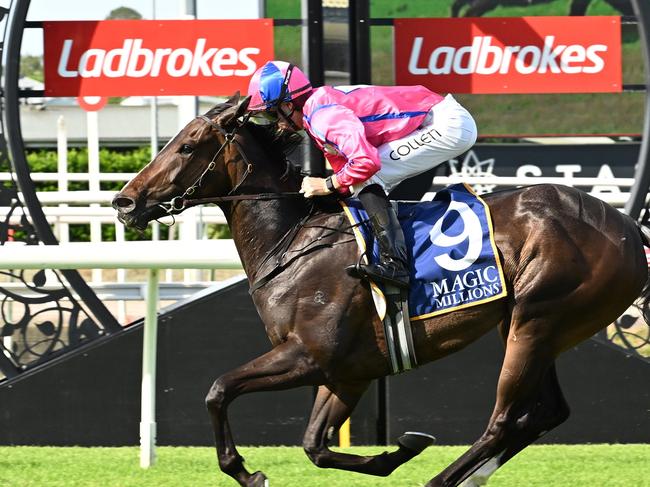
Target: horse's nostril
x=123, y=203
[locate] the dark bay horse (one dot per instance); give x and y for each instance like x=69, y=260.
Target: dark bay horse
x=572, y=263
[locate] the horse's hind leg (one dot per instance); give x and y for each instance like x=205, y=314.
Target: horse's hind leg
x=529, y=403
x=284, y=367
x=333, y=405
x=549, y=410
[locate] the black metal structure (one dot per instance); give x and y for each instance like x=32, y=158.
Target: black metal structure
x=55, y=321
x=359, y=39
x=315, y=71
x=641, y=186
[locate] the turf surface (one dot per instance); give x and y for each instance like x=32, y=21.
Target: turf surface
x=543, y=465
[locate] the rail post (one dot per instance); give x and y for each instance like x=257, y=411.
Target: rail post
x=148, y=401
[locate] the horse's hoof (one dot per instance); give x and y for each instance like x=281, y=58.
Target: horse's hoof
x=258, y=479
x=415, y=441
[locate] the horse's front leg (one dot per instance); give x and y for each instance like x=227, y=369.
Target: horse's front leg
x=286, y=366
x=333, y=405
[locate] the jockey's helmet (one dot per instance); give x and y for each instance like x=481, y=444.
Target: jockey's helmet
x=276, y=82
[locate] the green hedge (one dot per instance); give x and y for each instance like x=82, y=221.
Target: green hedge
x=109, y=161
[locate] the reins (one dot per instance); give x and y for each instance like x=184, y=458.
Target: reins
x=239, y=197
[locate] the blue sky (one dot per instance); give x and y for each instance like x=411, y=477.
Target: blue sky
x=98, y=10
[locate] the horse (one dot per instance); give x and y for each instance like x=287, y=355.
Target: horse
x=476, y=8
x=572, y=264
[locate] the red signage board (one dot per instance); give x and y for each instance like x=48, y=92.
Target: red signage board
x=150, y=57
x=510, y=55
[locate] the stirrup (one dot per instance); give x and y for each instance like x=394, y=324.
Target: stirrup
x=357, y=271
x=387, y=280
x=365, y=271
x=354, y=270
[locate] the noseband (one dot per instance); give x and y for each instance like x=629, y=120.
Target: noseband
x=179, y=203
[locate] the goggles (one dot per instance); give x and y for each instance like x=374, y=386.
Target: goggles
x=264, y=117
x=272, y=116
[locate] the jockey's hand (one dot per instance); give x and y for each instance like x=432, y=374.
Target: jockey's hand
x=314, y=187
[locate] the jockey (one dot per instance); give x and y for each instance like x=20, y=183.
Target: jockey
x=374, y=137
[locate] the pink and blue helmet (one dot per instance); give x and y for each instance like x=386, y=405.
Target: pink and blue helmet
x=276, y=82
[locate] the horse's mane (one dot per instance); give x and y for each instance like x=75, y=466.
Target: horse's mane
x=278, y=145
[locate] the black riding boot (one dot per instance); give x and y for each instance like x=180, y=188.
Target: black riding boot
x=392, y=267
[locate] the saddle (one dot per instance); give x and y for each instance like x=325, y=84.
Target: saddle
x=453, y=261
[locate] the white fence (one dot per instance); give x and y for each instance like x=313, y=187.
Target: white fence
x=63, y=208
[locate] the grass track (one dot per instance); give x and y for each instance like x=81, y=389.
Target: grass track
x=543, y=465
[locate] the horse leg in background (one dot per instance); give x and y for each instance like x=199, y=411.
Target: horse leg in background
x=479, y=7
x=285, y=367
x=333, y=405
x=457, y=6
x=579, y=7
x=529, y=403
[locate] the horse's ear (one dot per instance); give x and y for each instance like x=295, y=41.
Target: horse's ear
x=234, y=99
x=233, y=113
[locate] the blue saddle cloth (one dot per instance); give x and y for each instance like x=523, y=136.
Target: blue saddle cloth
x=452, y=256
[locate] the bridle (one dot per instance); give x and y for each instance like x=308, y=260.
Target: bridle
x=282, y=248
x=179, y=203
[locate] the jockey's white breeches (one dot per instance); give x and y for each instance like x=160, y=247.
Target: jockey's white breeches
x=447, y=131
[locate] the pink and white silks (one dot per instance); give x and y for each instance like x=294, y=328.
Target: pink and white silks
x=385, y=134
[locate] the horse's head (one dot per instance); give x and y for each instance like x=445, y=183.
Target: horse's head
x=211, y=156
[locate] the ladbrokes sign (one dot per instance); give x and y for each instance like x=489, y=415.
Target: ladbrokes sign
x=510, y=55
x=148, y=57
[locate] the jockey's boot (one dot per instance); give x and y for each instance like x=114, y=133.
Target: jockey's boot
x=392, y=267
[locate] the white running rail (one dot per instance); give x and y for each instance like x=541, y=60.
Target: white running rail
x=153, y=256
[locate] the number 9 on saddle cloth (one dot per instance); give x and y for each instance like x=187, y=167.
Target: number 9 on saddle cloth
x=452, y=255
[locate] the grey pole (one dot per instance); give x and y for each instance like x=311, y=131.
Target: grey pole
x=642, y=173
x=154, y=106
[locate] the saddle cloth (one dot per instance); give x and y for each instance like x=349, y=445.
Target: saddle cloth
x=453, y=259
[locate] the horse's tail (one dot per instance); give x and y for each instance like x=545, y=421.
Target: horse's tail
x=644, y=305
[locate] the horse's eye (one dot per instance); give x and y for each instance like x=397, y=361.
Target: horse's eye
x=186, y=149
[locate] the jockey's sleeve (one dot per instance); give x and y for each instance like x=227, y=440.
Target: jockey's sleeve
x=345, y=145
